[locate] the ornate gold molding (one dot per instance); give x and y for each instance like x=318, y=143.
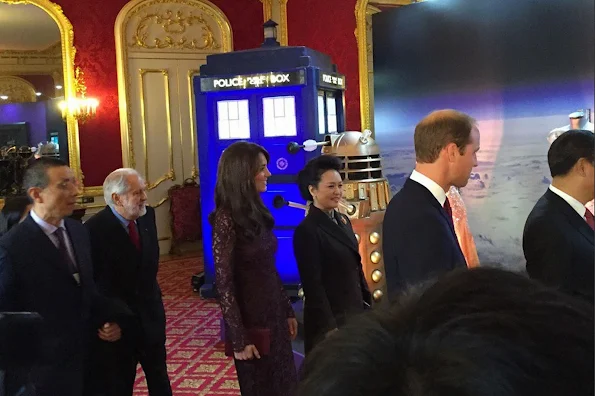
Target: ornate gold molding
x=161, y=202
x=128, y=12
x=17, y=89
x=278, y=12
x=361, y=35
x=364, y=52
x=174, y=25
x=54, y=50
x=68, y=54
x=267, y=9
x=283, y=36
x=191, y=74
x=170, y=174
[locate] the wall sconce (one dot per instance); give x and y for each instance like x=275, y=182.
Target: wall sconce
x=79, y=107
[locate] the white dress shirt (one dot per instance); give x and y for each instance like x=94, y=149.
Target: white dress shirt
x=431, y=185
x=576, y=205
x=50, y=229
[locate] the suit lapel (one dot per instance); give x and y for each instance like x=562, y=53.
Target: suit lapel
x=573, y=217
x=332, y=229
x=117, y=234
x=143, y=231
x=434, y=202
x=342, y=222
x=47, y=248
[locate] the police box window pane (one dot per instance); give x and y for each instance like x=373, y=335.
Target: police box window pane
x=331, y=108
x=321, y=119
x=222, y=110
x=233, y=119
x=233, y=111
x=279, y=116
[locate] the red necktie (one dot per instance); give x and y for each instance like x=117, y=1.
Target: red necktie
x=447, y=208
x=132, y=231
x=590, y=219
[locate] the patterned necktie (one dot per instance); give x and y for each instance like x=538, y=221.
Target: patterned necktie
x=60, y=234
x=133, y=232
x=447, y=208
x=590, y=219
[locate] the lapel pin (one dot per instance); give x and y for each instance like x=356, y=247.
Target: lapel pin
x=343, y=220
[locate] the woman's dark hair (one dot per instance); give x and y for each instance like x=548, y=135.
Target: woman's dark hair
x=472, y=332
x=235, y=190
x=313, y=171
x=12, y=212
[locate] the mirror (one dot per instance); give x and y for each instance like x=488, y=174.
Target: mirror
x=36, y=74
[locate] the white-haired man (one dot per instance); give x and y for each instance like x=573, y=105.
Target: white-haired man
x=126, y=258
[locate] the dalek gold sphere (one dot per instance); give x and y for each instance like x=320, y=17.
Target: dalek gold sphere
x=357, y=237
x=374, y=238
x=377, y=276
x=375, y=257
x=377, y=294
x=301, y=293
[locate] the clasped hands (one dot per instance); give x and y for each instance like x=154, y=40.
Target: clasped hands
x=109, y=332
x=250, y=352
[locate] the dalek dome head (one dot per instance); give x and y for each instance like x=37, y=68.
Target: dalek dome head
x=351, y=144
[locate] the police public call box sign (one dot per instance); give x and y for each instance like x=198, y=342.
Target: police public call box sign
x=251, y=81
x=331, y=80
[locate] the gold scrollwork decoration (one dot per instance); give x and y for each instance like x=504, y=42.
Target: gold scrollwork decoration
x=161, y=202
x=174, y=24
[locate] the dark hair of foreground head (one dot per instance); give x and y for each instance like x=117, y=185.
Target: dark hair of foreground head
x=473, y=332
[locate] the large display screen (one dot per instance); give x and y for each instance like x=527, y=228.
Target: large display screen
x=519, y=67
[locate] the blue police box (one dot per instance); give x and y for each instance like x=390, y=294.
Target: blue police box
x=271, y=96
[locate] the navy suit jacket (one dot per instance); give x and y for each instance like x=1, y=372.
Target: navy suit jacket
x=124, y=273
x=419, y=240
x=330, y=269
x=558, y=246
x=35, y=278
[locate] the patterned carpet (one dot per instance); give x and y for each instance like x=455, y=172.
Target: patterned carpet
x=196, y=362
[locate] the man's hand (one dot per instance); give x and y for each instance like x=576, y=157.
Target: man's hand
x=110, y=332
x=293, y=328
x=250, y=352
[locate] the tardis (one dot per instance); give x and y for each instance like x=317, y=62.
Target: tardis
x=271, y=96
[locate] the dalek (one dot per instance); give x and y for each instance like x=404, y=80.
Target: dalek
x=365, y=197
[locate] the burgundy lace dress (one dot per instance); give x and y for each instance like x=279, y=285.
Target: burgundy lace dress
x=251, y=295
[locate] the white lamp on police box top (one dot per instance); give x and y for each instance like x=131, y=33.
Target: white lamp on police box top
x=270, y=34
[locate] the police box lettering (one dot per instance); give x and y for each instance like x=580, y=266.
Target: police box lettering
x=274, y=79
x=332, y=80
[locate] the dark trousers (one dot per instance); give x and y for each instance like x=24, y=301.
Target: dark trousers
x=114, y=369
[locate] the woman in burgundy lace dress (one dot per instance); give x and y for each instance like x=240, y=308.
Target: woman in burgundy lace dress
x=250, y=292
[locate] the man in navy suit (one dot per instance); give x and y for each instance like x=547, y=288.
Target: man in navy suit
x=45, y=267
x=126, y=260
x=419, y=239
x=558, y=235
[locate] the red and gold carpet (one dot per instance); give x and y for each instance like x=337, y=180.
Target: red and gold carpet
x=196, y=362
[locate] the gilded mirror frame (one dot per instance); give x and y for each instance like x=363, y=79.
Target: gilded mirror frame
x=69, y=86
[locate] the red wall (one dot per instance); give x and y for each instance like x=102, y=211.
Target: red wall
x=328, y=26
x=93, y=22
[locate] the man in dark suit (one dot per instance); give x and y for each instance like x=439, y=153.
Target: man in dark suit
x=45, y=267
x=558, y=235
x=419, y=239
x=126, y=259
